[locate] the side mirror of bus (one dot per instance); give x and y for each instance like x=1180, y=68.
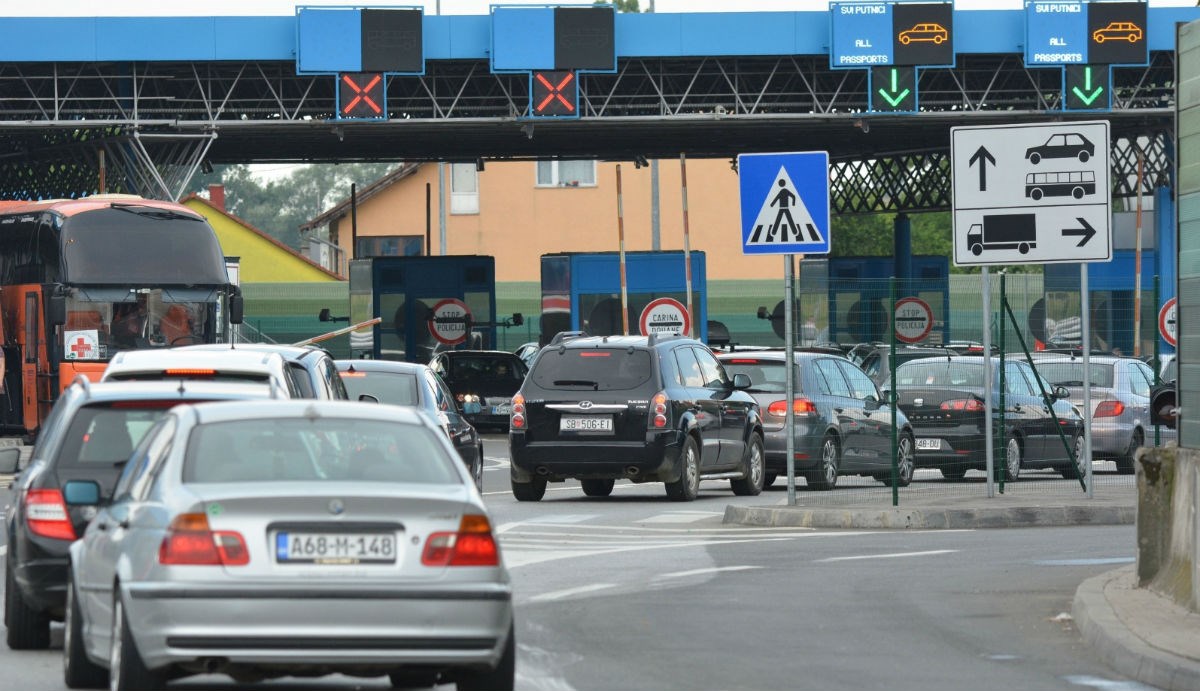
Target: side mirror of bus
x=235, y=308
x=57, y=308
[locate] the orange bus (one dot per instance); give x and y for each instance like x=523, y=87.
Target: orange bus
x=82, y=279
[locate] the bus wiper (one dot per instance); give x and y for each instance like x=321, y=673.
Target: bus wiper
x=577, y=382
x=151, y=212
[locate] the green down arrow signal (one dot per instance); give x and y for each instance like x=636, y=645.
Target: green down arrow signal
x=895, y=101
x=1087, y=96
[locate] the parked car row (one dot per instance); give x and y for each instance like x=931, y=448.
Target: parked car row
x=189, y=511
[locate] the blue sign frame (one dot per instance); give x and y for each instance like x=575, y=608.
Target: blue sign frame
x=342, y=18
x=767, y=199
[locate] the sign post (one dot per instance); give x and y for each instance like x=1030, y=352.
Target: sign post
x=1034, y=194
x=772, y=186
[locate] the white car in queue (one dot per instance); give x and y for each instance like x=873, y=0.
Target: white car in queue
x=289, y=538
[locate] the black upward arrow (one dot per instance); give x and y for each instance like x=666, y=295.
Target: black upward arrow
x=1087, y=232
x=983, y=156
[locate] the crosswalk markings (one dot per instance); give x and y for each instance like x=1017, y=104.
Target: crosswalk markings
x=569, y=592
x=704, y=572
x=895, y=555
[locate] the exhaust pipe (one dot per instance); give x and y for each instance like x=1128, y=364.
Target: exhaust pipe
x=212, y=664
x=632, y=471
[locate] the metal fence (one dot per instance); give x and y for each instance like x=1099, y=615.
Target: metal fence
x=921, y=313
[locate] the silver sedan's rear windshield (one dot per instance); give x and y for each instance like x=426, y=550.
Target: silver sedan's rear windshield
x=394, y=388
x=317, y=450
x=1071, y=373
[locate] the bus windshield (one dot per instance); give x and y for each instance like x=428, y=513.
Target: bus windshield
x=102, y=322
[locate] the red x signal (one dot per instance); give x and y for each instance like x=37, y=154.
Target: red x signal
x=361, y=95
x=551, y=95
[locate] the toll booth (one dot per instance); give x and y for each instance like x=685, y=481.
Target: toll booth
x=860, y=293
x=427, y=304
x=582, y=292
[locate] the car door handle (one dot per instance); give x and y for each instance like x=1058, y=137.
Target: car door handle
x=103, y=525
x=838, y=410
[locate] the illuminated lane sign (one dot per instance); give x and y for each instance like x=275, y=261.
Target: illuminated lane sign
x=1087, y=87
x=361, y=96
x=1055, y=33
x=1117, y=33
x=1073, y=32
x=923, y=33
x=554, y=94
x=894, y=89
x=861, y=34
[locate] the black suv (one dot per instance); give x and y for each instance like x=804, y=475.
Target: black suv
x=648, y=409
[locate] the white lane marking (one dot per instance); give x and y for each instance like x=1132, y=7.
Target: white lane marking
x=3, y=550
x=702, y=572
x=1085, y=562
x=568, y=592
x=895, y=555
x=1111, y=684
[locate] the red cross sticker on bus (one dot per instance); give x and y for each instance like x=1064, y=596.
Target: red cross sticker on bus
x=360, y=96
x=555, y=93
x=82, y=349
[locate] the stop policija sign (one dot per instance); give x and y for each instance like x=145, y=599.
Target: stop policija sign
x=664, y=316
x=914, y=320
x=449, y=320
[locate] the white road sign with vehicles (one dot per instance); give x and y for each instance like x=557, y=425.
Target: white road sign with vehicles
x=1031, y=194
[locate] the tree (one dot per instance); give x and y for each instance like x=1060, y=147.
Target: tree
x=280, y=207
x=621, y=5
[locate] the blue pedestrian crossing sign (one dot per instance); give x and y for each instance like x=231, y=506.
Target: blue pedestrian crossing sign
x=785, y=202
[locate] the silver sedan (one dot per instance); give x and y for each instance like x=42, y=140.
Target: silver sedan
x=289, y=538
x=1120, y=392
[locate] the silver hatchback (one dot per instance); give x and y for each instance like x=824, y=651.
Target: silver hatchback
x=290, y=538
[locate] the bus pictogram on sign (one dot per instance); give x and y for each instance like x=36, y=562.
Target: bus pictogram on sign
x=450, y=321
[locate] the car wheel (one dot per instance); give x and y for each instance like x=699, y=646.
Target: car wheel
x=826, y=476
x=78, y=671
x=688, y=485
x=1125, y=462
x=1035, y=158
x=954, y=472
x=1077, y=469
x=126, y=670
x=477, y=471
x=905, y=461
x=1012, y=459
x=769, y=479
x=753, y=465
x=28, y=629
x=1084, y=156
x=597, y=488
x=533, y=490
x=502, y=678
x=413, y=680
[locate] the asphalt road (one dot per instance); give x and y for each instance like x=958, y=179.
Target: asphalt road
x=634, y=592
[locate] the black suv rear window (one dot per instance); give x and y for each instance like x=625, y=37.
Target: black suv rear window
x=106, y=435
x=595, y=369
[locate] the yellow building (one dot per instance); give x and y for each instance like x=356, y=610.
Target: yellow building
x=261, y=258
x=517, y=211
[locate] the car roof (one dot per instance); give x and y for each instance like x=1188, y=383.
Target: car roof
x=621, y=341
x=224, y=359
x=395, y=366
x=778, y=356
x=99, y=392
x=289, y=352
x=308, y=408
x=478, y=353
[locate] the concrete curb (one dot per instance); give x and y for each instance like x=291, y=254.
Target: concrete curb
x=1121, y=648
x=930, y=518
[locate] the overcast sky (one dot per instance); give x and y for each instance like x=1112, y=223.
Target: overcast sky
x=192, y=8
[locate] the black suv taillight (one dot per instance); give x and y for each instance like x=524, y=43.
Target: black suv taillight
x=658, y=411
x=516, y=418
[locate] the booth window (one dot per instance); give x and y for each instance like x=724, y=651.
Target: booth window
x=390, y=246
x=464, y=188
x=566, y=174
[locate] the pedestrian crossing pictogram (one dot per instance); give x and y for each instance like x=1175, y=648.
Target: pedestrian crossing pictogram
x=776, y=222
x=785, y=202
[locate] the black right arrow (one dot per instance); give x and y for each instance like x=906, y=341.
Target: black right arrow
x=1087, y=232
x=983, y=156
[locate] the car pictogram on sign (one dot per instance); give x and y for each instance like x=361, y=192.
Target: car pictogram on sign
x=925, y=33
x=1118, y=31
